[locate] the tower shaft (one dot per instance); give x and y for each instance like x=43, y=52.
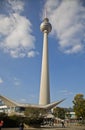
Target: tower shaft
x=44, y=85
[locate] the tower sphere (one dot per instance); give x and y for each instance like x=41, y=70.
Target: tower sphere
x=46, y=26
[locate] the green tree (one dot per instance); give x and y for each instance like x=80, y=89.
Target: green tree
x=34, y=113
x=34, y=116
x=79, y=106
x=59, y=112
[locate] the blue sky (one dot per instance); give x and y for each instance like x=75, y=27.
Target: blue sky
x=21, y=43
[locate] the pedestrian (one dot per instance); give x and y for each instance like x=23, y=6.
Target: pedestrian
x=21, y=126
x=1, y=124
x=62, y=122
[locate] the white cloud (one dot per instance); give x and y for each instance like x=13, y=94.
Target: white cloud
x=1, y=80
x=16, y=31
x=17, y=82
x=66, y=92
x=16, y=5
x=23, y=100
x=67, y=19
x=32, y=53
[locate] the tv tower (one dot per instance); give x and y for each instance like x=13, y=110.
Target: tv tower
x=44, y=99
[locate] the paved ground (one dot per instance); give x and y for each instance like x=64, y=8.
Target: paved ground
x=56, y=128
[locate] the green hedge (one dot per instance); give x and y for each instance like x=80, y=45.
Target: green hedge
x=14, y=121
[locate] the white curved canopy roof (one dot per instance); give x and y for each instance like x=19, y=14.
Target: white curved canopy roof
x=11, y=103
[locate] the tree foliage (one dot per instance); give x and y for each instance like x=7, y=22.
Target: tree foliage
x=34, y=113
x=59, y=112
x=34, y=116
x=79, y=106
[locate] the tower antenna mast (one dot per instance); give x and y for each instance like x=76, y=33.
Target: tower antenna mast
x=45, y=12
